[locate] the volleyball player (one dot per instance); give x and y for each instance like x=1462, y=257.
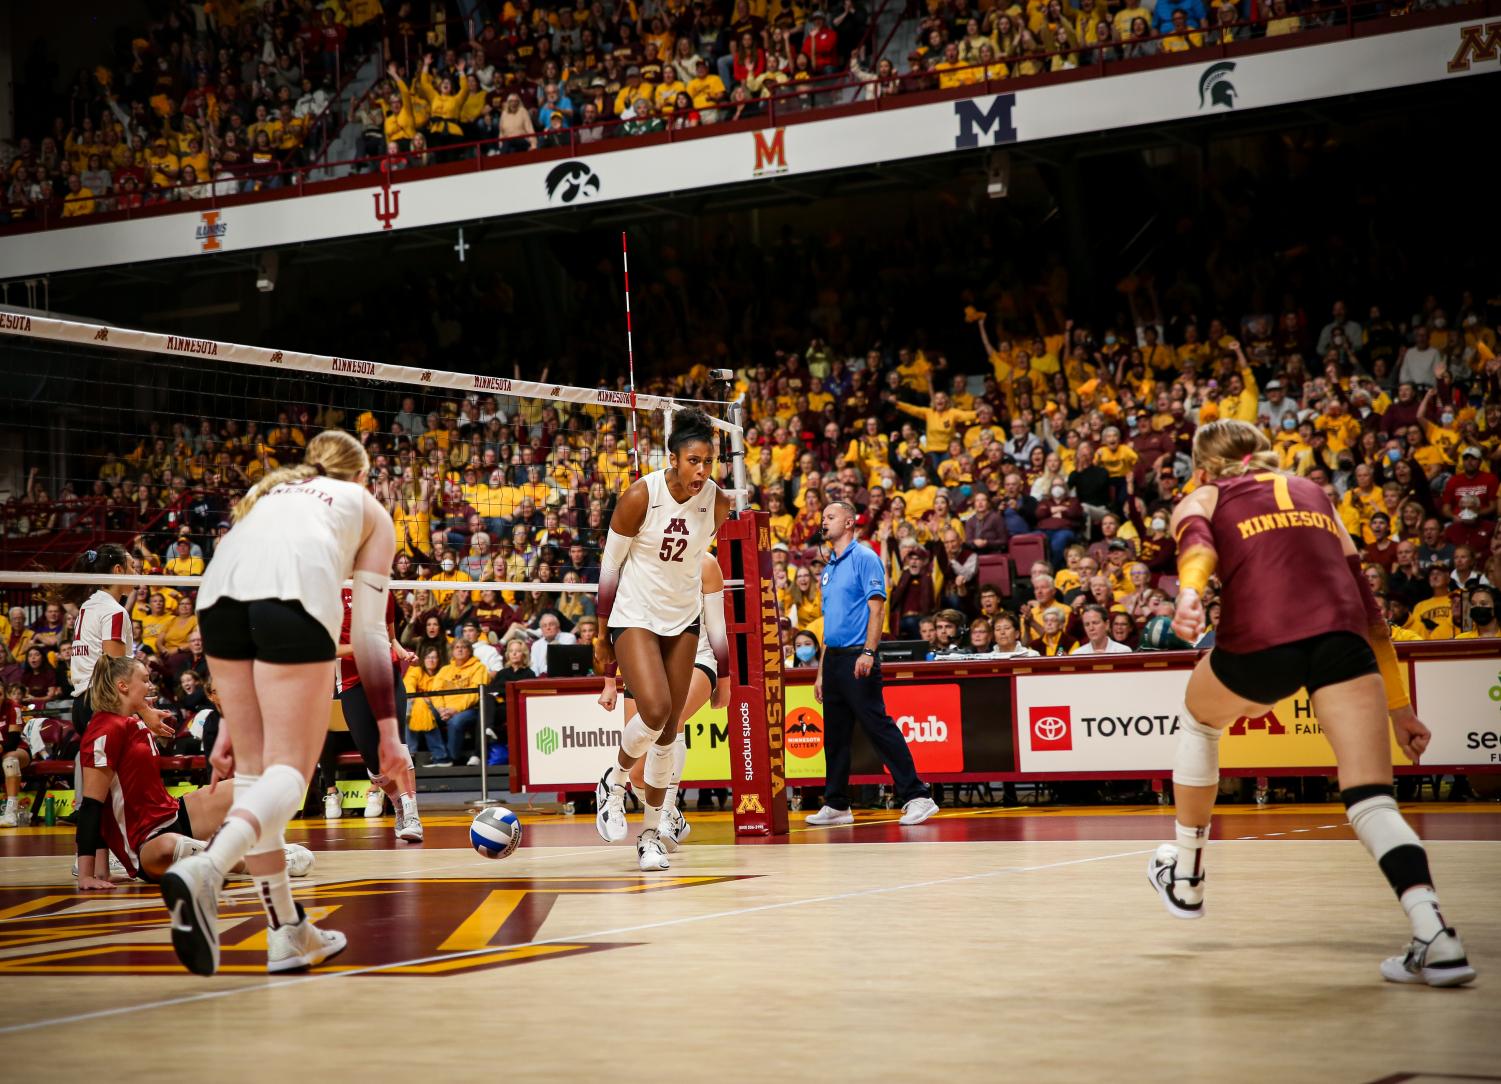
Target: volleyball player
x=402, y=787
x=270, y=614
x=125, y=806
x=1296, y=613
x=650, y=602
x=14, y=756
x=673, y=827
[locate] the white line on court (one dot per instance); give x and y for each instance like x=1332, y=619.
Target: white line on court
x=681, y=921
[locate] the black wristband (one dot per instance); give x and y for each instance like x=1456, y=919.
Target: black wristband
x=88, y=835
x=867, y=651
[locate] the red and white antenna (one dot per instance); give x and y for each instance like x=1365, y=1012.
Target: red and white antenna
x=630, y=353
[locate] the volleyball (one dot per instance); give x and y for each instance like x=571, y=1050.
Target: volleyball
x=496, y=832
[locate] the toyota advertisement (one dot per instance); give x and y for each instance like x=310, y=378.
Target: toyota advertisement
x=1109, y=722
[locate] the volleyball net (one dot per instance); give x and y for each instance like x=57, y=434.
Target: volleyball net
x=500, y=487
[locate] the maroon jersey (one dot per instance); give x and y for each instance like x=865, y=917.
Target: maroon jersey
x=349, y=674
x=1281, y=563
x=138, y=803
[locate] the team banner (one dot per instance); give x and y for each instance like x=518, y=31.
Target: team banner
x=1224, y=81
x=1466, y=695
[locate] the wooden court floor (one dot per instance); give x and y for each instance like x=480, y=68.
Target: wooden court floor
x=980, y=946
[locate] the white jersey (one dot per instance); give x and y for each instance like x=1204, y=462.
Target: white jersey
x=298, y=543
x=100, y=618
x=661, y=582
x=1112, y=647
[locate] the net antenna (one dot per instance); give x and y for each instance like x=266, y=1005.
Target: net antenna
x=630, y=355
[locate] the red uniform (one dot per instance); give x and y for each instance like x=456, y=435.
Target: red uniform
x=349, y=674
x=1281, y=563
x=138, y=806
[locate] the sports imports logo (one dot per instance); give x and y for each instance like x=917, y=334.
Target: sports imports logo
x=1052, y=729
x=572, y=182
x=1215, y=87
x=547, y=741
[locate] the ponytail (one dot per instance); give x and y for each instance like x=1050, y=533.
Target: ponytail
x=1229, y=449
x=333, y=453
x=89, y=562
x=104, y=688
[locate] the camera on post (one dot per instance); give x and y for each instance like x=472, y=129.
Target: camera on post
x=724, y=376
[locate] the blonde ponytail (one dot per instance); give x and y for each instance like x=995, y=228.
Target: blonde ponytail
x=1229, y=448
x=333, y=453
x=104, y=687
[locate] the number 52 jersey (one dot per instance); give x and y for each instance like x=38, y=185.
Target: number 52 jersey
x=661, y=583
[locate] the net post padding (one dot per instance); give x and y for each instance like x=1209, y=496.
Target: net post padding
x=758, y=768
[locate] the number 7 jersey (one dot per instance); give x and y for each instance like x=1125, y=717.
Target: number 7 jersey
x=661, y=583
x=1281, y=563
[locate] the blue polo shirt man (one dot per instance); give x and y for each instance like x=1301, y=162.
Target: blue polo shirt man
x=849, y=675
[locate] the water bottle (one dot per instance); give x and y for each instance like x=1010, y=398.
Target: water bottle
x=49, y=813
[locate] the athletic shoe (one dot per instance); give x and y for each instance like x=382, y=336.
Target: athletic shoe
x=472, y=762
x=333, y=805
x=1162, y=872
x=11, y=817
x=299, y=859
x=408, y=823
x=918, y=810
x=440, y=764
x=609, y=801
x=301, y=945
x=190, y=889
x=828, y=815
x=1439, y=962
x=375, y=802
x=673, y=827
x=650, y=852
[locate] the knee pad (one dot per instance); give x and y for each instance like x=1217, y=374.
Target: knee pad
x=637, y=738
x=12, y=764
x=186, y=847
x=1196, y=761
x=679, y=756
x=271, y=800
x=657, y=771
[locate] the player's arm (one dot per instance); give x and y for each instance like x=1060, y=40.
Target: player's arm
x=1196, y=558
x=625, y=524
x=723, y=505
x=367, y=628
x=93, y=859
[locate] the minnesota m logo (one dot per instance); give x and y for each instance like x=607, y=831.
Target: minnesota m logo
x=1478, y=42
x=997, y=116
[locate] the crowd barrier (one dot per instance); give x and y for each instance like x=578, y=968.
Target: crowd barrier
x=1080, y=717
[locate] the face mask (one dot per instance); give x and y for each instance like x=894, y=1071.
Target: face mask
x=1482, y=615
x=1471, y=320
x=805, y=653
x=1059, y=493
x=1440, y=323
x=1109, y=339
x=1447, y=417
x=919, y=480
x=447, y=566
x=1289, y=424
x=1159, y=524
x=1394, y=455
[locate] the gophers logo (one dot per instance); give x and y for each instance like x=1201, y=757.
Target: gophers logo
x=804, y=733
x=462, y=919
x=572, y=182
x=1052, y=729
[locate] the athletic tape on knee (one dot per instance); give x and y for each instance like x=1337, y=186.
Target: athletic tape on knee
x=12, y=764
x=1196, y=761
x=657, y=771
x=272, y=801
x=637, y=738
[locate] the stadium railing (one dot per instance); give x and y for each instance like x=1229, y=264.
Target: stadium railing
x=794, y=103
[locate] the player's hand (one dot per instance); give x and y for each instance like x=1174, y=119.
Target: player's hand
x=392, y=754
x=1412, y=736
x=607, y=696
x=722, y=690
x=222, y=759
x=157, y=723
x=863, y=665
x=94, y=884
x=1188, y=618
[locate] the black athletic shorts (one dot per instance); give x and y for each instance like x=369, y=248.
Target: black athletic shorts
x=182, y=825
x=615, y=631
x=1273, y=674
x=363, y=728
x=268, y=629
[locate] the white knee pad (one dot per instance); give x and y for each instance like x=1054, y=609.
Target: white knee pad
x=12, y=764
x=657, y=771
x=1379, y=825
x=1196, y=762
x=271, y=800
x=186, y=847
x=637, y=738
x=679, y=756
